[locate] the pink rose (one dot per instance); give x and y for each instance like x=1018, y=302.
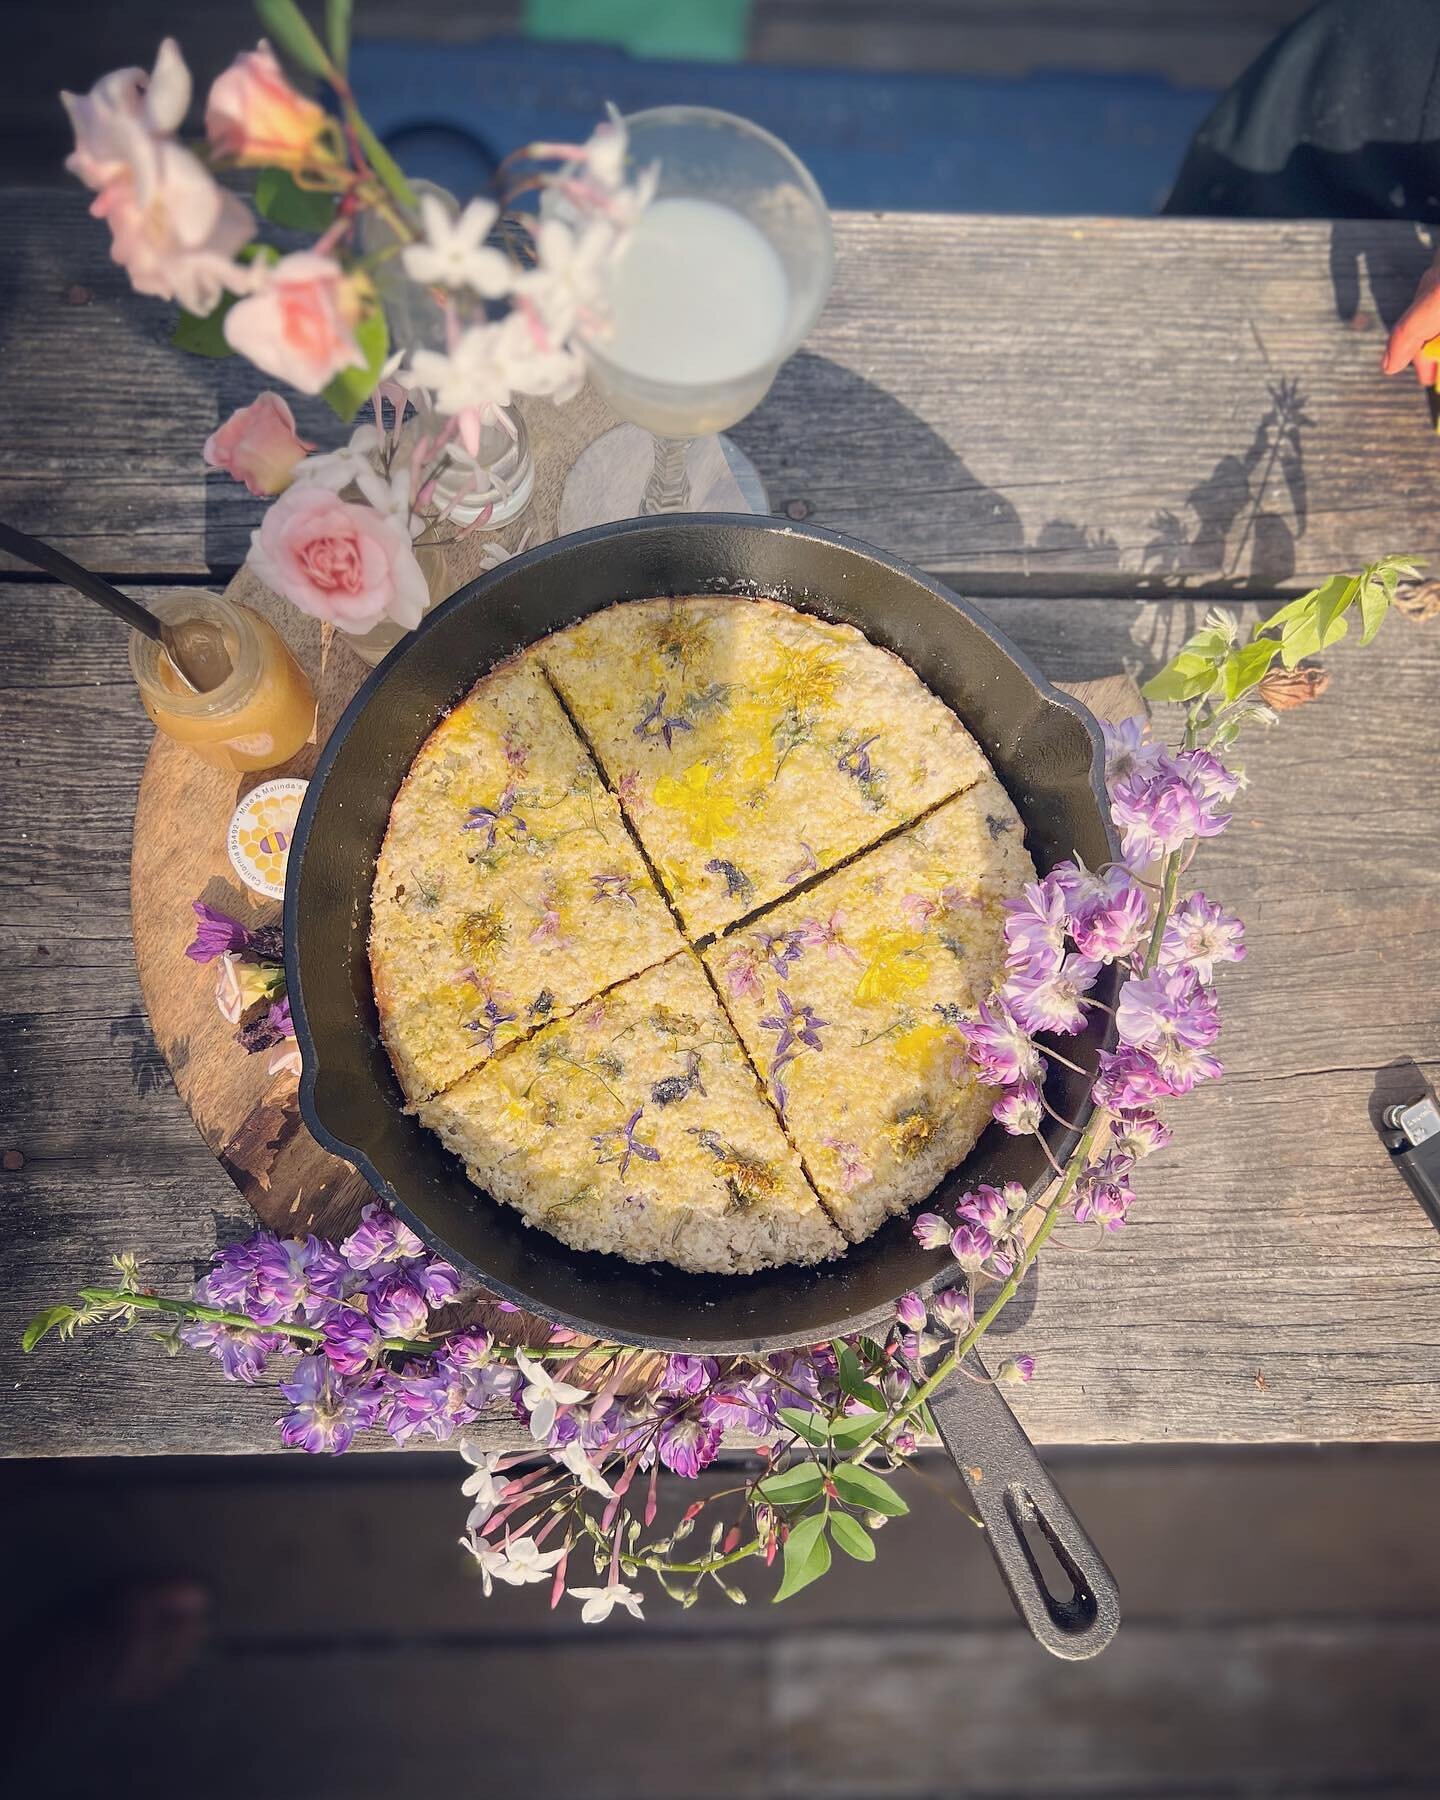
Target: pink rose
x=258, y=445
x=338, y=561
x=174, y=229
x=254, y=116
x=299, y=324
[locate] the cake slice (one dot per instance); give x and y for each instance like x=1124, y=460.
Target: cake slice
x=508, y=889
x=638, y=1127
x=752, y=745
x=846, y=998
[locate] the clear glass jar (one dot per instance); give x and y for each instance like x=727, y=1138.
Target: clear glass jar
x=258, y=718
x=433, y=558
x=502, y=471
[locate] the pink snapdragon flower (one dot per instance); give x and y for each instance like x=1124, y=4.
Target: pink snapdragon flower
x=258, y=445
x=299, y=324
x=254, y=117
x=338, y=561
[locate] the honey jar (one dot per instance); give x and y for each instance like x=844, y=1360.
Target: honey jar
x=257, y=717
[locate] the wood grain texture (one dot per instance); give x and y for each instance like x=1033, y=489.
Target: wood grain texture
x=1068, y=404
x=1272, y=1240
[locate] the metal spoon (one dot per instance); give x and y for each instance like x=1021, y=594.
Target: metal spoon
x=195, y=647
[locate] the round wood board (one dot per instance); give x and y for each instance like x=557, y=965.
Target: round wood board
x=250, y=1119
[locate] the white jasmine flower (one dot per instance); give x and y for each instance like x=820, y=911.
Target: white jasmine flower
x=481, y=1487
x=605, y=150
x=525, y=1562
x=544, y=1396
x=574, y=1458
x=455, y=254
x=601, y=1602
x=569, y=283
x=493, y=1563
x=474, y=374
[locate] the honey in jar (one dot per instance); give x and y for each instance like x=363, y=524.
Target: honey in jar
x=257, y=716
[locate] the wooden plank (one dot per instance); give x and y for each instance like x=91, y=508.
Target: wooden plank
x=1337, y=1536
x=1289, y=1709
x=1273, y=1238
x=1060, y=404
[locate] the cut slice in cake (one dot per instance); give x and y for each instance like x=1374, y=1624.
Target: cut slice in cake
x=847, y=996
x=508, y=889
x=638, y=1127
x=752, y=745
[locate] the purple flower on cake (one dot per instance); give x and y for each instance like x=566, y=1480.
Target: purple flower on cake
x=1049, y=998
x=854, y=1170
x=613, y=887
x=487, y=1027
x=326, y=1409
x=806, y=866
x=657, y=723
x=493, y=819
x=856, y=762
x=216, y=934
x=620, y=1144
x=1201, y=934
x=795, y=1025
x=742, y=980
x=779, y=948
x=824, y=934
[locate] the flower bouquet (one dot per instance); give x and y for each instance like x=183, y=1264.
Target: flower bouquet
x=434, y=317
x=369, y=1345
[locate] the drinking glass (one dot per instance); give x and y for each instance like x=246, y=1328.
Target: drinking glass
x=708, y=301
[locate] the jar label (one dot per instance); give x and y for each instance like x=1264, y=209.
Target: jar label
x=261, y=828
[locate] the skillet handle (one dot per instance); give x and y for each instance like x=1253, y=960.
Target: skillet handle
x=1012, y=1490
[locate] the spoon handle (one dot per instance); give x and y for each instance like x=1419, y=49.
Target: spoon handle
x=42, y=556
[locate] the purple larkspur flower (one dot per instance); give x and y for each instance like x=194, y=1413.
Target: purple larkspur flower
x=1171, y=801
x=1109, y=913
x=1015, y=1371
x=910, y=1311
x=856, y=762
x=970, y=1245
x=350, y=1340
x=1200, y=934
x=951, y=1310
x=795, y=1024
x=613, y=887
x=825, y=934
x=1183, y=1065
x=688, y=1374
x=749, y=1405
x=1018, y=1109
x=493, y=819
x=999, y=1046
x=688, y=1441
x=413, y=1399
x=327, y=1409
x=397, y=1307
x=293, y=1275
x=779, y=948
x=279, y=1018
x=987, y=1208
x=658, y=723
x=241, y=1354
x=380, y=1238
x=229, y=1281
x=1159, y=1010
x=1128, y=748
x=466, y=1351
x=1129, y=1079
x=1035, y=925
x=1137, y=1134
x=1104, y=1200
x=806, y=866
x=216, y=934
x=1050, y=998
x=930, y=1231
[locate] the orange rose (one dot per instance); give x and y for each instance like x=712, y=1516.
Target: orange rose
x=253, y=115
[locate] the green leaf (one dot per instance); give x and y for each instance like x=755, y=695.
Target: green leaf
x=1306, y=630
x=44, y=1322
x=854, y=1429
x=852, y=1378
x=1185, y=678
x=288, y=27
x=337, y=31
x=807, y=1556
x=1246, y=667
x=203, y=337
x=1376, y=593
x=796, y=1486
x=281, y=199
x=351, y=388
x=863, y=1487
x=810, y=1426
x=852, y=1537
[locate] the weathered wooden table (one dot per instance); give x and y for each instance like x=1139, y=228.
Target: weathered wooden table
x=1090, y=426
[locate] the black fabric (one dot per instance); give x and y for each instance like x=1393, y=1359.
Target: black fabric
x=1338, y=119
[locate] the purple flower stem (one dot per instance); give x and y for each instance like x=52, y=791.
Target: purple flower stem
x=1055, y=1056
x=1170, y=881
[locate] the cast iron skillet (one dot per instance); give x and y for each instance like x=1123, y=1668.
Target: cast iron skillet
x=1046, y=749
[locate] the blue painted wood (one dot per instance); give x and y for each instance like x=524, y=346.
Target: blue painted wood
x=925, y=143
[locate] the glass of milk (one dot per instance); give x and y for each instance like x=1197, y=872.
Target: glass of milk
x=724, y=275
